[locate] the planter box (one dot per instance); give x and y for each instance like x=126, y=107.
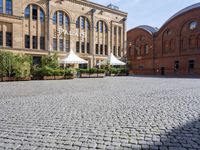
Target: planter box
x=69, y=77
x=59, y=77
x=84, y=75
x=24, y=79
x=9, y=79
x=101, y=75
x=122, y=74
x=48, y=78
x=93, y=75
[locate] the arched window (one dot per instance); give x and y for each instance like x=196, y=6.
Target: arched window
x=101, y=26
x=27, y=12
x=9, y=7
x=82, y=22
x=62, y=15
x=34, y=14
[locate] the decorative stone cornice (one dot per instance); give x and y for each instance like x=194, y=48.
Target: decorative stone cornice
x=99, y=7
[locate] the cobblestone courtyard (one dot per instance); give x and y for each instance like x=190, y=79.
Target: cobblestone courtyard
x=110, y=113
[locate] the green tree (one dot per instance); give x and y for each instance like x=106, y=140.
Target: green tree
x=50, y=61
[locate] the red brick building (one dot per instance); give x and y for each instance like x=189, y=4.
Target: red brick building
x=174, y=49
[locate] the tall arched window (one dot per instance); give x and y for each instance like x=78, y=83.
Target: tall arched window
x=34, y=14
x=61, y=42
x=101, y=26
x=37, y=15
x=81, y=22
x=83, y=43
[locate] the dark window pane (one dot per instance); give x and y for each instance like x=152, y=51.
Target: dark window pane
x=67, y=45
x=101, y=49
x=9, y=7
x=1, y=38
x=27, y=41
x=34, y=42
x=61, y=44
x=83, y=47
x=77, y=46
x=97, y=48
x=67, y=22
x=106, y=50
x=88, y=47
x=54, y=44
x=42, y=43
x=8, y=39
x=34, y=12
x=101, y=26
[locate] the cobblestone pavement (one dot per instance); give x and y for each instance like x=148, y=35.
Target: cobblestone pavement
x=111, y=113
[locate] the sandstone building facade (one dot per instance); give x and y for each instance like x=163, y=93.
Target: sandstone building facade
x=174, y=49
x=42, y=27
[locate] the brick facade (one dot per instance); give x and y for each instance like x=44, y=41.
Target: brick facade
x=174, y=49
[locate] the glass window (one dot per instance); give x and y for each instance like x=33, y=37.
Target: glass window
x=67, y=45
x=193, y=25
x=115, y=30
x=77, y=46
x=146, y=49
x=88, y=48
x=55, y=44
x=87, y=24
x=83, y=47
x=101, y=49
x=67, y=22
x=34, y=12
x=55, y=18
x=1, y=38
x=176, y=66
x=114, y=50
x=97, y=27
x=8, y=39
x=82, y=22
x=191, y=66
x=27, y=12
x=97, y=48
x=42, y=43
x=61, y=45
x=105, y=28
x=9, y=7
x=1, y=6
x=101, y=26
x=61, y=18
x=119, y=51
x=106, y=50
x=42, y=17
x=34, y=42
x=27, y=41
x=78, y=22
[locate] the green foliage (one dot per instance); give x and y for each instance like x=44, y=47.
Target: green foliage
x=50, y=61
x=101, y=70
x=93, y=70
x=15, y=65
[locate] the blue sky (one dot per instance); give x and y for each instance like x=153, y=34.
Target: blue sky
x=148, y=12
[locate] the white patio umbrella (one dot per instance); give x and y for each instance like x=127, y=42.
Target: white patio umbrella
x=72, y=58
x=112, y=60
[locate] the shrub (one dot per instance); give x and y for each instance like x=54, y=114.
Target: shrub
x=58, y=72
x=50, y=61
x=113, y=70
x=101, y=70
x=93, y=70
x=84, y=71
